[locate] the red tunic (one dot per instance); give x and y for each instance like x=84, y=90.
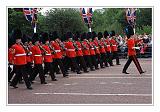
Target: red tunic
x=48, y=56
x=113, y=45
x=58, y=52
x=79, y=52
x=108, y=48
x=19, y=55
x=97, y=47
x=131, y=43
x=37, y=55
x=92, y=51
x=70, y=49
x=102, y=49
x=10, y=56
x=86, y=50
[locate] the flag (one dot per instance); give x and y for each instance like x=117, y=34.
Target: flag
x=89, y=15
x=133, y=14
x=28, y=14
x=31, y=15
x=84, y=15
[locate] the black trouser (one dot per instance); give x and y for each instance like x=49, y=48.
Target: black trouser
x=37, y=69
x=72, y=63
x=66, y=62
x=115, y=56
x=109, y=58
x=21, y=72
x=98, y=59
x=93, y=60
x=88, y=61
x=49, y=67
x=59, y=62
x=104, y=59
x=135, y=60
x=80, y=60
x=10, y=75
x=29, y=68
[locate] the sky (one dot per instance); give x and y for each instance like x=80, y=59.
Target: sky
x=48, y=8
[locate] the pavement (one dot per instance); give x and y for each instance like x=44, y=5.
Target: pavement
x=104, y=86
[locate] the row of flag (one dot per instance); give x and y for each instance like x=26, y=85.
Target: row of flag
x=87, y=17
x=131, y=15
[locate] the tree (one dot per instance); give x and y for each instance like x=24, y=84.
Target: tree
x=64, y=20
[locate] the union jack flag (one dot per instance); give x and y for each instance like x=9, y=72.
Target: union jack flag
x=30, y=15
x=84, y=15
x=89, y=15
x=131, y=15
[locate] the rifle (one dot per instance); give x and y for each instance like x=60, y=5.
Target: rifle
x=43, y=49
x=75, y=45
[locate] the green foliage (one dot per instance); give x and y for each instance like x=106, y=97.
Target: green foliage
x=69, y=19
x=144, y=29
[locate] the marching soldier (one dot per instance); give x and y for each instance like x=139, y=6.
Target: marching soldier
x=20, y=61
x=131, y=50
x=48, y=56
x=29, y=58
x=79, y=54
x=102, y=49
x=86, y=51
x=98, y=55
x=38, y=60
x=57, y=53
x=71, y=52
x=108, y=48
x=114, y=47
x=92, y=50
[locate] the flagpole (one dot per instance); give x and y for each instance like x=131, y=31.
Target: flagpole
x=35, y=28
x=89, y=26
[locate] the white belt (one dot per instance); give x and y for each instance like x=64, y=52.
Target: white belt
x=114, y=45
x=92, y=48
x=97, y=47
x=108, y=45
x=24, y=54
x=70, y=49
x=79, y=49
x=38, y=55
x=48, y=54
x=57, y=51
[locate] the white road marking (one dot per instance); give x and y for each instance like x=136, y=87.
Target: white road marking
x=88, y=94
x=67, y=84
x=122, y=83
x=102, y=83
x=49, y=84
x=111, y=77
